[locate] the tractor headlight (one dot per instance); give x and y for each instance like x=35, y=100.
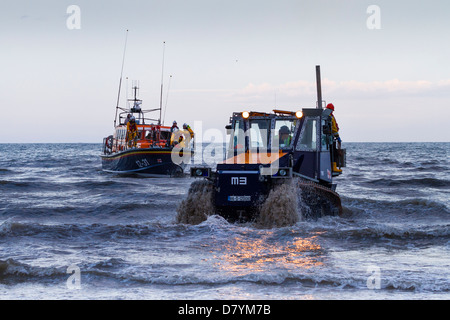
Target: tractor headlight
x=285, y=172
x=200, y=172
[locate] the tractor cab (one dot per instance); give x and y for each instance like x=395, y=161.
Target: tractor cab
x=299, y=143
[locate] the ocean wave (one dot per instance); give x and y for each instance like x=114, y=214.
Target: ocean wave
x=114, y=269
x=362, y=227
x=94, y=184
x=60, y=183
x=81, y=231
x=422, y=182
x=441, y=285
x=423, y=203
x=412, y=206
x=121, y=272
x=395, y=233
x=32, y=185
x=355, y=225
x=9, y=183
x=13, y=271
x=348, y=228
x=10, y=228
x=94, y=208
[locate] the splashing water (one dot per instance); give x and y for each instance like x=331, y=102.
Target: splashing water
x=282, y=207
x=198, y=205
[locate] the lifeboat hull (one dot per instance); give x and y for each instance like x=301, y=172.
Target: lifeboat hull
x=146, y=161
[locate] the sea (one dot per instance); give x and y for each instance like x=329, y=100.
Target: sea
x=70, y=231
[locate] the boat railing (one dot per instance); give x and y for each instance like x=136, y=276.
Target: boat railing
x=147, y=138
x=113, y=145
x=140, y=119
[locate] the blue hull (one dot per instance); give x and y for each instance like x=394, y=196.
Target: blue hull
x=150, y=162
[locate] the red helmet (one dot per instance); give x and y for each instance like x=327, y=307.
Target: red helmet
x=330, y=106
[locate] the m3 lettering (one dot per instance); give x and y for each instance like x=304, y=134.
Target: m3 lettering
x=242, y=181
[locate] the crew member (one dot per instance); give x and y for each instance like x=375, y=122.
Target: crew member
x=174, y=127
x=173, y=136
x=157, y=129
x=127, y=118
x=284, y=135
x=335, y=133
x=132, y=132
x=188, y=128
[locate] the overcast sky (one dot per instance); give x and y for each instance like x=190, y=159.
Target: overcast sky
x=388, y=75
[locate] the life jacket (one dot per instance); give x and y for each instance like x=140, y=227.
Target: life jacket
x=191, y=132
x=131, y=126
x=286, y=142
x=283, y=142
x=334, y=125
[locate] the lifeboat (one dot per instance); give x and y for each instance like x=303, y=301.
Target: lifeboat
x=153, y=151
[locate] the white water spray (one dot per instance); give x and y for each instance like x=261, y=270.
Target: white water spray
x=198, y=205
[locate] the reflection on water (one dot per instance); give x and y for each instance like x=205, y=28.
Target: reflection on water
x=243, y=255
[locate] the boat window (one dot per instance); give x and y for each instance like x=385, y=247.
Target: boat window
x=165, y=135
x=259, y=133
x=148, y=134
x=308, y=135
x=284, y=133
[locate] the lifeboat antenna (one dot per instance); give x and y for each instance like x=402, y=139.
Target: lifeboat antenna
x=167, y=98
x=162, y=78
x=121, y=74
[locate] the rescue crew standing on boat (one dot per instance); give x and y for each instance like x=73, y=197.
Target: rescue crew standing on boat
x=127, y=118
x=174, y=127
x=176, y=135
x=335, y=133
x=188, y=128
x=132, y=132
